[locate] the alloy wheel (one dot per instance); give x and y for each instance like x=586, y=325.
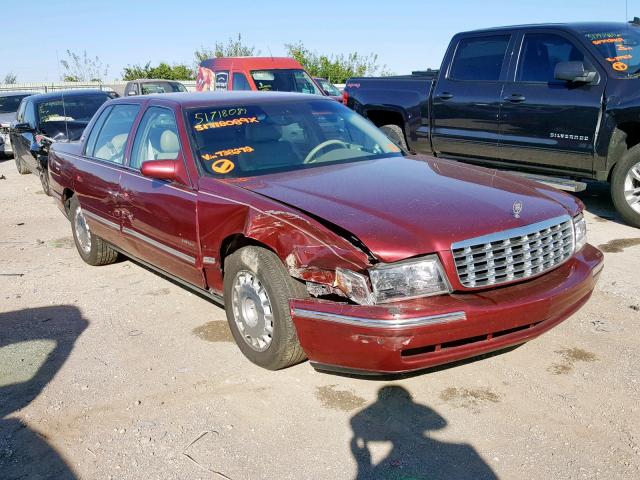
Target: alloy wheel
x=252, y=311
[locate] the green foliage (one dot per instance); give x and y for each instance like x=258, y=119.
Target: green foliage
x=163, y=70
x=10, y=78
x=336, y=68
x=82, y=68
x=231, y=48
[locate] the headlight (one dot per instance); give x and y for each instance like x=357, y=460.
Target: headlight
x=580, y=231
x=354, y=286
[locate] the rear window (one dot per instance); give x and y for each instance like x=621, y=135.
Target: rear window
x=10, y=104
x=479, y=58
x=284, y=80
x=75, y=107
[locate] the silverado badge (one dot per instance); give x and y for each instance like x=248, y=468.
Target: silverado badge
x=517, y=208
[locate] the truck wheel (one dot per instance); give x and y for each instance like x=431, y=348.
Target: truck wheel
x=22, y=168
x=625, y=186
x=396, y=135
x=92, y=249
x=257, y=290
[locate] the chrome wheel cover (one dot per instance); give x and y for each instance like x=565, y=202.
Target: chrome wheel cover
x=83, y=234
x=252, y=311
x=632, y=187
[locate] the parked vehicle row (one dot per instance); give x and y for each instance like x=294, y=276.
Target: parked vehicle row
x=555, y=100
x=321, y=237
x=9, y=103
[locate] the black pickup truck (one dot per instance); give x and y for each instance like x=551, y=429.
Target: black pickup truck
x=557, y=102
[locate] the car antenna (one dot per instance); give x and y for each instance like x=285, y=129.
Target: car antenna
x=64, y=110
x=270, y=54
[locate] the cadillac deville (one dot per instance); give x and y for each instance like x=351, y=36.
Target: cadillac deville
x=321, y=237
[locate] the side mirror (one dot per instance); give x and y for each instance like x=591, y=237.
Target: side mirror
x=161, y=169
x=22, y=127
x=574, y=72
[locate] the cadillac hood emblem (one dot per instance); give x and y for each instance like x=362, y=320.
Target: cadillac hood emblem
x=517, y=208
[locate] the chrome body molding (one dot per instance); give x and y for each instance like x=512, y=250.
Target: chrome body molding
x=160, y=246
x=393, y=324
x=100, y=219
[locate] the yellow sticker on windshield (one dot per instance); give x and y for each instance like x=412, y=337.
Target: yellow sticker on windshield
x=226, y=153
x=226, y=123
x=619, y=66
x=222, y=166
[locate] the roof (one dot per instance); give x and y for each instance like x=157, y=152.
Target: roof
x=243, y=97
x=250, y=63
x=579, y=27
x=14, y=93
x=67, y=93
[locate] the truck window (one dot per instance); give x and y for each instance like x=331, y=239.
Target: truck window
x=541, y=52
x=479, y=58
x=240, y=82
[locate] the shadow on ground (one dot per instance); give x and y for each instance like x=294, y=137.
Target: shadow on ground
x=597, y=200
x=34, y=344
x=396, y=418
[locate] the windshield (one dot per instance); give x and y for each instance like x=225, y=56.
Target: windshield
x=78, y=108
x=621, y=49
x=284, y=81
x=10, y=104
x=329, y=88
x=242, y=141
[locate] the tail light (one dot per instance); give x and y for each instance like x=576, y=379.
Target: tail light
x=345, y=97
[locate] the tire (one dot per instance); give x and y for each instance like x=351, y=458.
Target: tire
x=22, y=168
x=44, y=179
x=626, y=178
x=98, y=251
x=396, y=135
x=274, y=288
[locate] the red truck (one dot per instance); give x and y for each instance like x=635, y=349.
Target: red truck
x=265, y=74
x=321, y=238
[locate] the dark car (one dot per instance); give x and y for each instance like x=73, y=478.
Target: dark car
x=328, y=88
x=147, y=86
x=559, y=102
x=9, y=103
x=51, y=117
x=321, y=237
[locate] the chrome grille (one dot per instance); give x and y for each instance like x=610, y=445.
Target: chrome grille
x=514, y=254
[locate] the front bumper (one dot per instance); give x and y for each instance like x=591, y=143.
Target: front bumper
x=417, y=334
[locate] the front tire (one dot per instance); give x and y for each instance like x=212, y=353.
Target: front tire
x=625, y=186
x=257, y=290
x=22, y=168
x=92, y=249
x=396, y=135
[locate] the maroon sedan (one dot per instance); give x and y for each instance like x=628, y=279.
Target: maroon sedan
x=322, y=239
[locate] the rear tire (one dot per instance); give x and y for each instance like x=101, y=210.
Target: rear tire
x=625, y=186
x=257, y=290
x=22, y=168
x=92, y=249
x=44, y=179
x=396, y=135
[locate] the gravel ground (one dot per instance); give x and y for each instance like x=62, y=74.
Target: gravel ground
x=114, y=372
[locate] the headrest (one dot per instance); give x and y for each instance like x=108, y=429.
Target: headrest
x=169, y=142
x=263, y=132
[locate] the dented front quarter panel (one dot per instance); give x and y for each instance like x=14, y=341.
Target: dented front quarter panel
x=309, y=250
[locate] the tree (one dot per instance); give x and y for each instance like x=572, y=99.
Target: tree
x=231, y=48
x=82, y=68
x=10, y=78
x=163, y=70
x=336, y=68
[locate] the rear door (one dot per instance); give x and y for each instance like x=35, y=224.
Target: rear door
x=466, y=99
x=159, y=217
x=547, y=123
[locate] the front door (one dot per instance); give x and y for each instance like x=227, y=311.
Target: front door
x=466, y=100
x=159, y=217
x=548, y=123
x=21, y=142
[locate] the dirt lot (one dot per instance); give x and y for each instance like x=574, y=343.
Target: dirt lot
x=114, y=372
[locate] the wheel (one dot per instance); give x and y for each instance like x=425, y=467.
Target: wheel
x=257, y=290
x=396, y=135
x=92, y=249
x=44, y=179
x=625, y=186
x=22, y=168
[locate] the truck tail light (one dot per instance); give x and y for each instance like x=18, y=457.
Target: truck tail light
x=345, y=97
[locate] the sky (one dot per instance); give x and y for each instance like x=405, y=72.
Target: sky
x=405, y=34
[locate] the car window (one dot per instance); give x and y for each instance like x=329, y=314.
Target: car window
x=20, y=112
x=74, y=108
x=240, y=82
x=541, y=52
x=284, y=80
x=132, y=89
x=162, y=87
x=95, y=130
x=10, y=104
x=30, y=115
x=156, y=138
x=479, y=58
x=112, y=138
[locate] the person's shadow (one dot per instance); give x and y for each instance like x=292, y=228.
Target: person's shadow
x=395, y=418
x=34, y=344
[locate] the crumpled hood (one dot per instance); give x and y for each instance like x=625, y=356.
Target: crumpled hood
x=401, y=207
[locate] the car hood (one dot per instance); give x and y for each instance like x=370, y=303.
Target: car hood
x=400, y=207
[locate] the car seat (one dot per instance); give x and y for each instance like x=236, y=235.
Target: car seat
x=269, y=150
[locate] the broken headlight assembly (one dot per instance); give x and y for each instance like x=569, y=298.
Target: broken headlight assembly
x=421, y=277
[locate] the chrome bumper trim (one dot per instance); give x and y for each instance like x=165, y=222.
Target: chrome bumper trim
x=394, y=324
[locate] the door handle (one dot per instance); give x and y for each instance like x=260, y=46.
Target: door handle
x=445, y=96
x=515, y=98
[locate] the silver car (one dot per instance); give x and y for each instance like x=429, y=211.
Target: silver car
x=9, y=102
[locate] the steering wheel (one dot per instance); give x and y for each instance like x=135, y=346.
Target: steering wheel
x=310, y=158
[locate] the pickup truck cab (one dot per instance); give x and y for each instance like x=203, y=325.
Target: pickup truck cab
x=320, y=237
x=146, y=86
x=264, y=74
x=559, y=101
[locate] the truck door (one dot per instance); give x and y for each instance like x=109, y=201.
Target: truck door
x=466, y=99
x=549, y=124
